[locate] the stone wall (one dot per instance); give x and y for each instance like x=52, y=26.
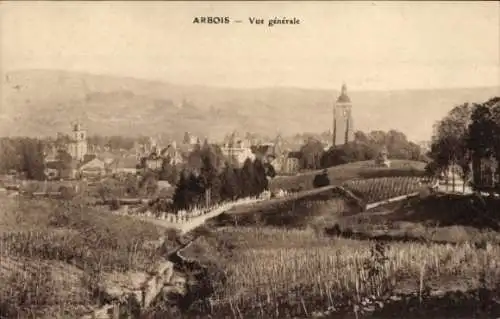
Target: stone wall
x=141, y=295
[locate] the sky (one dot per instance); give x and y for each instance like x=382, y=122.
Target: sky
x=369, y=45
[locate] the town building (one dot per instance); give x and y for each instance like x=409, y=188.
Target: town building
x=343, y=126
x=175, y=155
x=237, y=150
x=78, y=145
x=284, y=161
x=151, y=162
x=94, y=168
x=56, y=170
x=265, y=152
x=124, y=165
x=190, y=139
x=291, y=164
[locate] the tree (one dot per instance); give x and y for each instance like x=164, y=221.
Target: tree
x=181, y=198
x=361, y=137
x=432, y=169
x=189, y=191
x=247, y=178
x=168, y=172
x=194, y=158
x=209, y=175
x=350, y=152
x=334, y=156
x=10, y=156
x=142, y=163
x=321, y=180
x=230, y=186
x=260, y=177
x=461, y=118
x=270, y=170
x=311, y=153
x=196, y=190
x=481, y=129
x=467, y=134
x=64, y=158
x=378, y=138
x=494, y=105
x=449, y=148
x=131, y=185
x=203, y=183
x=96, y=141
x=32, y=158
x=62, y=140
x=148, y=185
x=120, y=142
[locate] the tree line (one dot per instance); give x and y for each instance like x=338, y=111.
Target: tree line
x=206, y=177
x=23, y=154
x=213, y=181
x=26, y=154
x=465, y=137
x=364, y=147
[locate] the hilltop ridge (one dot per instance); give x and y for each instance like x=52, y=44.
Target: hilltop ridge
x=42, y=102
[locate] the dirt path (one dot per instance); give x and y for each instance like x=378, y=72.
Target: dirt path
x=195, y=222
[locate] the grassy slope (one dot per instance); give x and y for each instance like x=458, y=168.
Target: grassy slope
x=301, y=211
x=290, y=212
x=463, y=217
x=85, y=244
x=435, y=218
x=342, y=173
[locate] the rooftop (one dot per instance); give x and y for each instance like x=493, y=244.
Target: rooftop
x=343, y=97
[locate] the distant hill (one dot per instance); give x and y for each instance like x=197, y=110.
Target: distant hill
x=42, y=102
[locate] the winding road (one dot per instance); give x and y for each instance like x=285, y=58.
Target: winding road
x=195, y=222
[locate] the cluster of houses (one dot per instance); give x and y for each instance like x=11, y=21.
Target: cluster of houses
x=92, y=166
x=284, y=158
x=86, y=161
x=89, y=162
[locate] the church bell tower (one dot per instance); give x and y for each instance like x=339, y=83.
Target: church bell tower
x=78, y=148
x=343, y=129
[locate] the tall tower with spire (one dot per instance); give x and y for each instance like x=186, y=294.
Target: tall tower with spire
x=343, y=128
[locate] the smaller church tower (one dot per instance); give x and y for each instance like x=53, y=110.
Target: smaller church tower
x=343, y=129
x=79, y=146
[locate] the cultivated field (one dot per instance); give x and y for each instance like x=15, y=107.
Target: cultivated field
x=318, y=254
x=55, y=255
x=378, y=189
x=328, y=261
x=282, y=273
x=342, y=173
x=310, y=205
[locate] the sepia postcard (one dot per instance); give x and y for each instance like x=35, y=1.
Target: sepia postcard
x=249, y=159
